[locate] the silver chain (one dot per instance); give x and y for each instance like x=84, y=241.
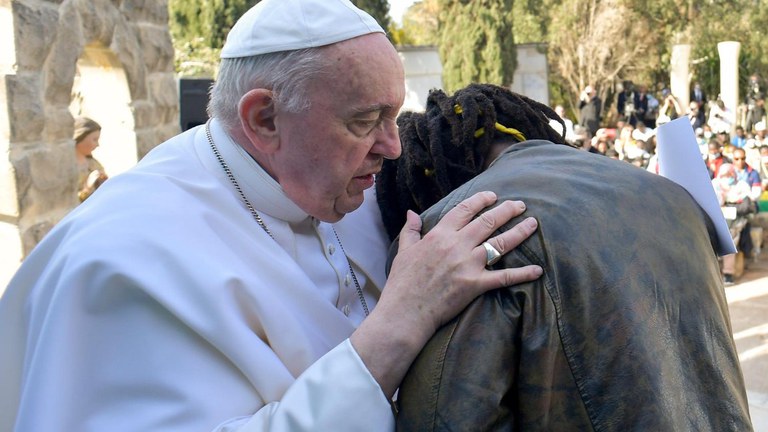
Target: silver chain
x=260, y=221
x=354, y=277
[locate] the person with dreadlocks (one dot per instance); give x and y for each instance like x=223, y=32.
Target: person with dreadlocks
x=626, y=329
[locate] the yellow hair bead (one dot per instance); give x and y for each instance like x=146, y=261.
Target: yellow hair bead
x=498, y=126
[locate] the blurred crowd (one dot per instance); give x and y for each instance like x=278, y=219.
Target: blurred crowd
x=733, y=145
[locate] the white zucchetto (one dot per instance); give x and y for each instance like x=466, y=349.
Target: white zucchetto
x=284, y=25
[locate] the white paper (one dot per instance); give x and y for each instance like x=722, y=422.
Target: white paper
x=680, y=161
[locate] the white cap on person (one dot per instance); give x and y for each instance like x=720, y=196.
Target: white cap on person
x=285, y=25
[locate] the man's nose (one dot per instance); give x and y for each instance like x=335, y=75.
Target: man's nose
x=388, y=141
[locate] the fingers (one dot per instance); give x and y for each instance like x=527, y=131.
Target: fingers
x=459, y=216
x=507, y=277
x=411, y=232
x=487, y=223
x=512, y=238
x=505, y=242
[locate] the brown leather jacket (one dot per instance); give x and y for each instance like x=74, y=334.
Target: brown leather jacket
x=628, y=328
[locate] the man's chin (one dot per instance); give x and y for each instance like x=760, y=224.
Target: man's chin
x=348, y=205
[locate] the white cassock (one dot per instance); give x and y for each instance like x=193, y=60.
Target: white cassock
x=161, y=305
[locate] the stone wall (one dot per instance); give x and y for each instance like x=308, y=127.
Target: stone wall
x=41, y=43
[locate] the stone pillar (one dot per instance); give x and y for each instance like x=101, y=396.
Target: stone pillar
x=729, y=75
x=42, y=45
x=679, y=80
x=10, y=239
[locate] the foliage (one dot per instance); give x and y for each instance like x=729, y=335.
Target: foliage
x=378, y=9
x=193, y=58
x=529, y=25
x=599, y=42
x=199, y=30
x=595, y=43
x=742, y=21
x=476, y=43
x=653, y=26
x=419, y=24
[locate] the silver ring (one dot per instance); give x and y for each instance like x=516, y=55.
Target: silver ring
x=492, y=256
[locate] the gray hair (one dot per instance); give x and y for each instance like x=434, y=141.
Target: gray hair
x=286, y=73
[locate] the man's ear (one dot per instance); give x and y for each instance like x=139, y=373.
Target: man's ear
x=257, y=115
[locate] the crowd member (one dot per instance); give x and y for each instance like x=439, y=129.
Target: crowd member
x=570, y=133
x=747, y=174
x=760, y=137
x=593, y=344
x=624, y=140
x=755, y=101
x=715, y=157
x=670, y=108
x=696, y=116
x=698, y=96
x=90, y=172
x=755, y=114
x=720, y=118
x=590, y=109
x=727, y=148
x=739, y=139
x=733, y=192
x=642, y=132
x=643, y=105
x=763, y=170
x=218, y=285
x=625, y=103
x=602, y=145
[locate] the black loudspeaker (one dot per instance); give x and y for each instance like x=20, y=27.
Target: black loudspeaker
x=193, y=101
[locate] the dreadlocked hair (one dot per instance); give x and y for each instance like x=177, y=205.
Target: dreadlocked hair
x=444, y=148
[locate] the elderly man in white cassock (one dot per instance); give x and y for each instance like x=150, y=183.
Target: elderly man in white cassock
x=234, y=279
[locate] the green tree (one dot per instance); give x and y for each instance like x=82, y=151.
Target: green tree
x=199, y=30
x=476, y=42
x=598, y=42
x=379, y=9
x=531, y=20
x=739, y=20
x=419, y=24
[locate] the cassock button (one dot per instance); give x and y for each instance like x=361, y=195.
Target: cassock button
x=331, y=249
x=345, y=309
x=347, y=279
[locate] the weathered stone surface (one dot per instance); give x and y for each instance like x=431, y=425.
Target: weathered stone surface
x=149, y=138
x=59, y=73
x=151, y=11
x=144, y=114
x=52, y=169
x=47, y=180
x=38, y=176
x=59, y=124
x=126, y=45
x=35, y=33
x=168, y=131
x=165, y=96
x=5, y=124
x=158, y=48
x=32, y=235
x=146, y=140
x=99, y=18
x=27, y=106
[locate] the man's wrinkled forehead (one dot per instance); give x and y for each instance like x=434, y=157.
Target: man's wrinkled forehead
x=286, y=25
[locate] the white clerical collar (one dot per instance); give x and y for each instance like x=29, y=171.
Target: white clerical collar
x=264, y=193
